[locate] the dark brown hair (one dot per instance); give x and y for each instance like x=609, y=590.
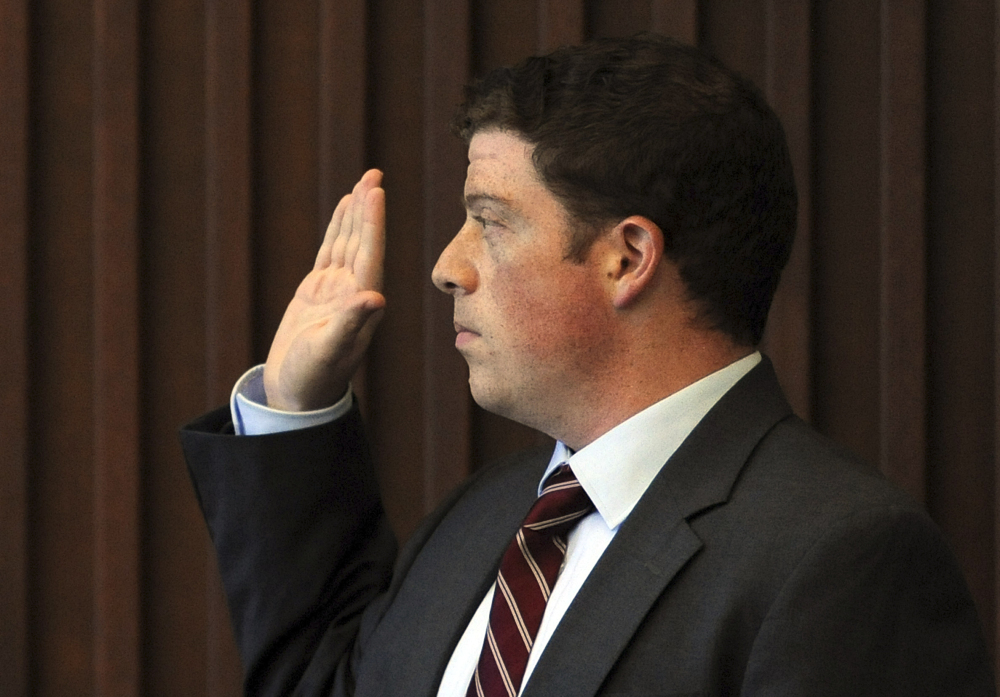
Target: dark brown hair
x=648, y=126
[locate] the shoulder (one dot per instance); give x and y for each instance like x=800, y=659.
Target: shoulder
x=854, y=563
x=799, y=489
x=823, y=551
x=804, y=513
x=793, y=459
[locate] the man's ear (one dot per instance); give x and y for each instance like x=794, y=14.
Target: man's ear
x=637, y=245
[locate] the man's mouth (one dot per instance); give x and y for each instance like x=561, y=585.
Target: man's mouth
x=463, y=335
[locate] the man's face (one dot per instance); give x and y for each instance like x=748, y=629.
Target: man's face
x=531, y=324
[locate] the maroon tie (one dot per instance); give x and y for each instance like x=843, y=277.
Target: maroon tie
x=528, y=571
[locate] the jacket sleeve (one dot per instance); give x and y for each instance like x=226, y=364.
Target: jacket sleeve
x=303, y=545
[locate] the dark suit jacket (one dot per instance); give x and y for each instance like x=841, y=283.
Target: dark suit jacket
x=763, y=560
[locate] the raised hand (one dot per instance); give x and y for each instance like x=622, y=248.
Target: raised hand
x=330, y=321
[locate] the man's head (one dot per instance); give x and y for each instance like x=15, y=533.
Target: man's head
x=647, y=126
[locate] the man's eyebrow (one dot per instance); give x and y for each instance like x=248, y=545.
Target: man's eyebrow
x=474, y=199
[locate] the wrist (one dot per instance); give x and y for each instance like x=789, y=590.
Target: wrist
x=252, y=415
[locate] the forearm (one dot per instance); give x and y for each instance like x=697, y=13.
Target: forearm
x=302, y=541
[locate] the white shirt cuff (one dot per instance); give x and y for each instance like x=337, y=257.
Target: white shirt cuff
x=252, y=416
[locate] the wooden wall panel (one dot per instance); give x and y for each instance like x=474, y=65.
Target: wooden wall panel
x=14, y=381
x=61, y=494
x=560, y=23
x=961, y=428
x=174, y=341
x=343, y=99
x=170, y=166
x=995, y=637
x=623, y=18
x=902, y=283
x=788, y=86
x=286, y=157
x=732, y=32
x=503, y=32
x=676, y=18
x=117, y=609
x=845, y=240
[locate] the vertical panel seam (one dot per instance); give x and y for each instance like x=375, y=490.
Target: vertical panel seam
x=117, y=660
x=902, y=232
x=996, y=324
x=788, y=86
x=14, y=339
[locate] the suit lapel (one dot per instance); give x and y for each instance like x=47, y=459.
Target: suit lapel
x=449, y=578
x=655, y=541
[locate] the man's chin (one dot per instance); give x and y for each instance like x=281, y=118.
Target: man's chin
x=487, y=395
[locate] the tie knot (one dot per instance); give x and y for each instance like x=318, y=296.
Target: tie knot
x=561, y=504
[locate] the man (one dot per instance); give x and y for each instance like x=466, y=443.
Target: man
x=630, y=207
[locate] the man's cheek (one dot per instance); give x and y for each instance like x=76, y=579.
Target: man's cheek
x=529, y=322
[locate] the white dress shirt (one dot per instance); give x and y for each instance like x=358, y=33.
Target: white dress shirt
x=615, y=470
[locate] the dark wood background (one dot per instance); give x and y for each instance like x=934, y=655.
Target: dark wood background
x=167, y=169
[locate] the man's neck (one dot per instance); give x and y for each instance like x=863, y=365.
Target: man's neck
x=633, y=390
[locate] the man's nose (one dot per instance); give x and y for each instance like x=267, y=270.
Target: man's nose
x=454, y=273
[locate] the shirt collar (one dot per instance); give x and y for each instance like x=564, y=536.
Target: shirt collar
x=616, y=469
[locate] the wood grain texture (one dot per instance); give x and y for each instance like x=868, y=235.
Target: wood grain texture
x=343, y=102
x=117, y=481
x=560, y=23
x=996, y=335
x=788, y=86
x=287, y=224
x=676, y=18
x=616, y=17
x=175, y=357
x=736, y=34
x=168, y=169
x=845, y=244
x=14, y=348
x=961, y=429
x=902, y=247
x=61, y=327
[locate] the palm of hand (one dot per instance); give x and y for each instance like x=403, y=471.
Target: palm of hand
x=329, y=323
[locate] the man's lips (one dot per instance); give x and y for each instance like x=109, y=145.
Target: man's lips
x=463, y=335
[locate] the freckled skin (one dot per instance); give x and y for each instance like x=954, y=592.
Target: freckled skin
x=541, y=325
x=571, y=349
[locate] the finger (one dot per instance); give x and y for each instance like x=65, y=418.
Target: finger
x=370, y=179
x=323, y=256
x=359, y=230
x=346, y=227
x=370, y=257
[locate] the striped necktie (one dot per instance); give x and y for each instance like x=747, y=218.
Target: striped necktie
x=528, y=571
